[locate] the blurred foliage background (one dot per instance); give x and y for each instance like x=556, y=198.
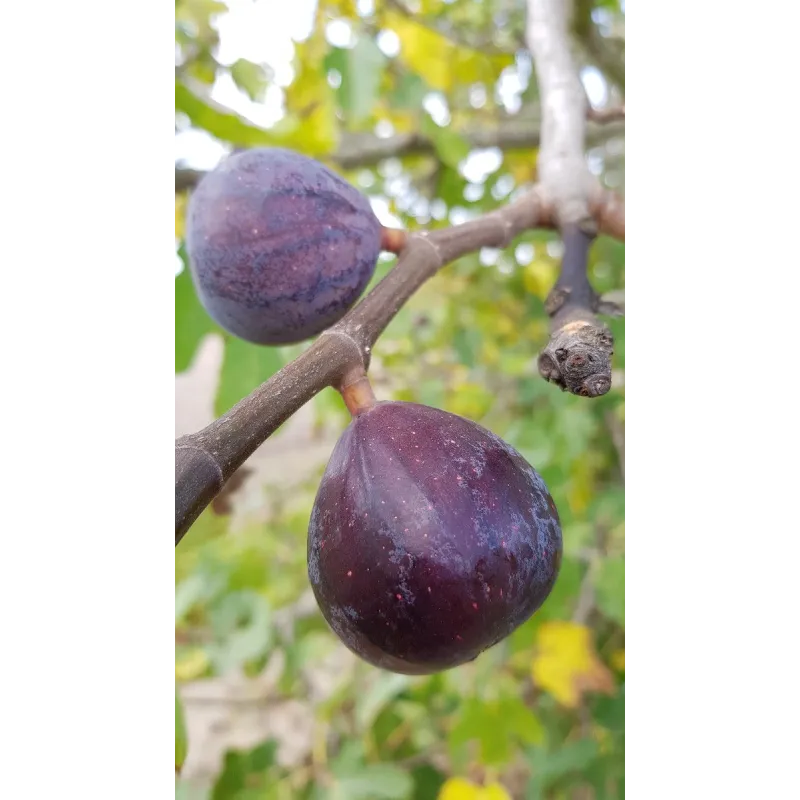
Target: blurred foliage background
x=431, y=109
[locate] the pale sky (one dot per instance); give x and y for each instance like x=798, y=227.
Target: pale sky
x=253, y=31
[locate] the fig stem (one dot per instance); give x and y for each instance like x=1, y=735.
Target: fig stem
x=393, y=240
x=356, y=391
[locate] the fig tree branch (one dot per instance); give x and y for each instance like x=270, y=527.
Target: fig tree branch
x=604, y=115
x=205, y=461
x=366, y=150
x=578, y=356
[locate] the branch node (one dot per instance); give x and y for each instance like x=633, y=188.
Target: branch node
x=208, y=457
x=422, y=236
x=363, y=351
x=555, y=301
x=508, y=232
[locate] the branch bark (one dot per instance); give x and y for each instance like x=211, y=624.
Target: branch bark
x=366, y=150
x=205, y=460
x=578, y=356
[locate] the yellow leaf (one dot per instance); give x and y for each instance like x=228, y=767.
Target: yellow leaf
x=458, y=789
x=566, y=664
x=470, y=400
x=522, y=167
x=438, y=60
x=581, y=487
x=402, y=121
x=494, y=791
x=504, y=326
x=461, y=789
x=180, y=215
x=339, y=8
x=309, y=98
x=603, y=738
x=537, y=330
x=432, y=6
x=618, y=660
x=192, y=665
x=539, y=277
x=423, y=51
x=490, y=353
x=200, y=14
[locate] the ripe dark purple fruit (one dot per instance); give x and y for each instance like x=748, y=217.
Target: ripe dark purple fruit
x=430, y=539
x=280, y=247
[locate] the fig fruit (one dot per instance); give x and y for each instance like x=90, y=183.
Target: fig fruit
x=280, y=247
x=430, y=539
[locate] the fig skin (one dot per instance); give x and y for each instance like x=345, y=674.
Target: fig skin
x=280, y=247
x=430, y=539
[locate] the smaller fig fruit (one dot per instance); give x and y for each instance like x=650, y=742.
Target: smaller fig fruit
x=280, y=247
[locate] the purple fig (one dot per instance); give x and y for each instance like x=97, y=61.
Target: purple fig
x=430, y=539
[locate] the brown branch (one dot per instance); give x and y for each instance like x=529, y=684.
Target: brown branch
x=562, y=164
x=578, y=356
x=206, y=460
x=604, y=115
x=608, y=211
x=519, y=132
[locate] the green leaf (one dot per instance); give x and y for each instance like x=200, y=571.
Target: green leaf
x=200, y=13
x=361, y=68
x=610, y=588
x=250, y=78
x=432, y=393
x=610, y=711
x=371, y=782
x=350, y=758
x=198, y=587
x=520, y=720
x=239, y=767
x=329, y=408
x=551, y=766
x=496, y=725
x=409, y=92
x=466, y=343
x=242, y=624
x=219, y=121
x=386, y=687
x=192, y=322
x=427, y=782
x=451, y=186
x=202, y=70
x=190, y=791
x=245, y=366
x=181, y=741
x=451, y=148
